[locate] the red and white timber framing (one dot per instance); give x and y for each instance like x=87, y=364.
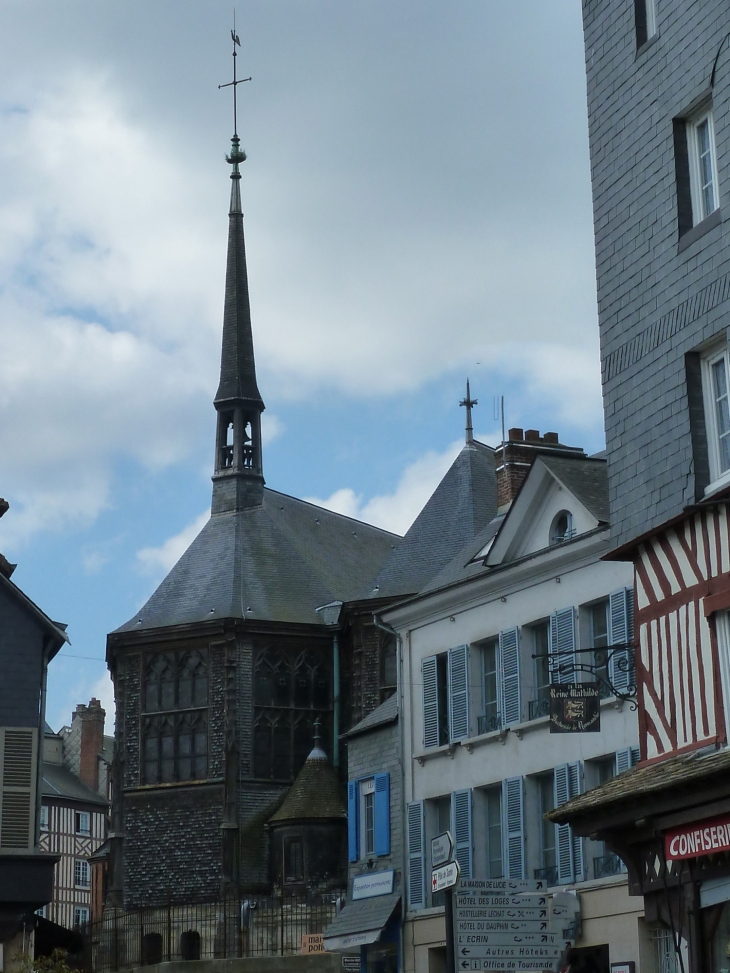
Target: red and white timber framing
x=682, y=578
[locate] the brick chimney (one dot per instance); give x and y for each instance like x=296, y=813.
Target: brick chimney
x=91, y=718
x=516, y=456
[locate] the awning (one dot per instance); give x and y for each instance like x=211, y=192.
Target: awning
x=360, y=922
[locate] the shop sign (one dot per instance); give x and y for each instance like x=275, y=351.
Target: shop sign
x=694, y=840
x=371, y=884
x=442, y=848
x=444, y=877
x=351, y=964
x=575, y=707
x=312, y=942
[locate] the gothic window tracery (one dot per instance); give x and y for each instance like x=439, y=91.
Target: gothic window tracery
x=291, y=691
x=175, y=724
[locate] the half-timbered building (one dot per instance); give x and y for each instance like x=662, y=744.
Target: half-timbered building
x=659, y=114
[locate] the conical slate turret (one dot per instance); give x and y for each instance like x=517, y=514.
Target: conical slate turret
x=238, y=480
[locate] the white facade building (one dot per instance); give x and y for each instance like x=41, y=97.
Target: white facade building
x=479, y=757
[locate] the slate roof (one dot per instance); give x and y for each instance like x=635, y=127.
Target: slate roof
x=634, y=785
x=58, y=781
x=462, y=567
x=315, y=793
x=276, y=562
x=586, y=478
x=462, y=504
x=386, y=713
x=363, y=915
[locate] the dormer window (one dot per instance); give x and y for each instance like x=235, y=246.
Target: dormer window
x=562, y=528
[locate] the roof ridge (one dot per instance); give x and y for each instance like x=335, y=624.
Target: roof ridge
x=333, y=513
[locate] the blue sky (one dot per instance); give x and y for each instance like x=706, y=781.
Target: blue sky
x=417, y=200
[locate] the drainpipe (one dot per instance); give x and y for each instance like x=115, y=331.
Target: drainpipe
x=336, y=700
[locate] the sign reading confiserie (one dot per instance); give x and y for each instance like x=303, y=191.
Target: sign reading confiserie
x=703, y=838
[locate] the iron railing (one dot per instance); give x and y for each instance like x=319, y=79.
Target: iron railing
x=488, y=724
x=538, y=708
x=225, y=929
x=548, y=874
x=606, y=865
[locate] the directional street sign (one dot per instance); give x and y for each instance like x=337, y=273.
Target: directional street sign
x=467, y=886
x=444, y=877
x=465, y=941
x=512, y=926
x=532, y=900
x=508, y=965
x=442, y=848
x=515, y=951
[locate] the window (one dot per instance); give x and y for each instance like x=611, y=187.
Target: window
x=548, y=861
x=388, y=666
x=490, y=687
x=568, y=783
x=539, y=636
x=702, y=164
x=293, y=860
x=175, y=727
x=81, y=915
x=82, y=822
x=715, y=386
x=81, y=874
x=598, y=622
x=438, y=821
x=368, y=817
x=495, y=868
x=44, y=817
x=562, y=528
x=446, y=697
x=645, y=16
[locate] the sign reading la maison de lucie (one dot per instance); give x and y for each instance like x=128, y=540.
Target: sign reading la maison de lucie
x=575, y=707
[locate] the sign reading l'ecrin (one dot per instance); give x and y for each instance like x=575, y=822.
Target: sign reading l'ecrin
x=703, y=838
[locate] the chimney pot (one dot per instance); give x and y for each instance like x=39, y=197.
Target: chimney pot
x=515, y=435
x=92, y=741
x=551, y=437
x=533, y=435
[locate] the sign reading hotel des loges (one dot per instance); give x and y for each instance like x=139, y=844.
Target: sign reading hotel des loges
x=704, y=838
x=575, y=707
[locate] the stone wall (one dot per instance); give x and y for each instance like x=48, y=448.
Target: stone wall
x=316, y=963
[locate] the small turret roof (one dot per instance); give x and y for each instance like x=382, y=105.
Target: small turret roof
x=315, y=794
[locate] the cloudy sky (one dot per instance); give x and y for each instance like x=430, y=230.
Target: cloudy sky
x=417, y=199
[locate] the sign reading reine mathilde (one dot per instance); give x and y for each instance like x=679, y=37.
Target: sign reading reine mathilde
x=504, y=924
x=575, y=707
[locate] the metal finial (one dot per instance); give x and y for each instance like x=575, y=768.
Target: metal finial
x=237, y=155
x=317, y=735
x=468, y=403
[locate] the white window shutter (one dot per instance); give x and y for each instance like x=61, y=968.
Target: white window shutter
x=623, y=760
x=459, y=692
x=513, y=827
x=562, y=644
x=563, y=837
x=461, y=828
x=430, y=702
x=509, y=657
x=575, y=786
x=620, y=632
x=416, y=856
x=18, y=766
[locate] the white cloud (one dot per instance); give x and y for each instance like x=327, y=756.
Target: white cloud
x=159, y=560
x=103, y=690
x=396, y=511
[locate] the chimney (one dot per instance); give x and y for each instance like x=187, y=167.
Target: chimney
x=92, y=741
x=516, y=455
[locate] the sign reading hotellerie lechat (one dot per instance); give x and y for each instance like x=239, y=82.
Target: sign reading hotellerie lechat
x=504, y=924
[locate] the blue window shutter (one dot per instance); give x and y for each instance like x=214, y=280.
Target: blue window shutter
x=562, y=641
x=509, y=659
x=513, y=827
x=575, y=786
x=459, y=692
x=635, y=756
x=430, y=702
x=352, y=829
x=461, y=828
x=621, y=631
x=381, y=808
x=563, y=837
x=416, y=856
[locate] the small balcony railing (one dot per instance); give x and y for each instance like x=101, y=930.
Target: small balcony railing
x=538, y=708
x=548, y=874
x=488, y=724
x=606, y=865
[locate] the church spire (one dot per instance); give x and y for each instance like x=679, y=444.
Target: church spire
x=238, y=480
x=469, y=404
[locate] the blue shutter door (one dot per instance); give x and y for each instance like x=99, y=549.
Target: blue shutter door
x=416, y=857
x=461, y=826
x=352, y=828
x=430, y=702
x=562, y=643
x=513, y=827
x=459, y=692
x=575, y=786
x=509, y=657
x=621, y=631
x=381, y=809
x=563, y=842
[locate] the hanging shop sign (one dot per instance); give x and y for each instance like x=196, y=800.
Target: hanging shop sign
x=693, y=840
x=575, y=707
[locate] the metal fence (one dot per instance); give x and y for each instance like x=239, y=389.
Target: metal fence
x=256, y=926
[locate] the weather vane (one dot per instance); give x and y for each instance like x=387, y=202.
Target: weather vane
x=234, y=84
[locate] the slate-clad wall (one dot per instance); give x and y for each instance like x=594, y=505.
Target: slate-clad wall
x=377, y=752
x=21, y=665
x=129, y=705
x=654, y=303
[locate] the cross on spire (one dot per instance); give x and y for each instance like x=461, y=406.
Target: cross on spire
x=468, y=403
x=236, y=155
